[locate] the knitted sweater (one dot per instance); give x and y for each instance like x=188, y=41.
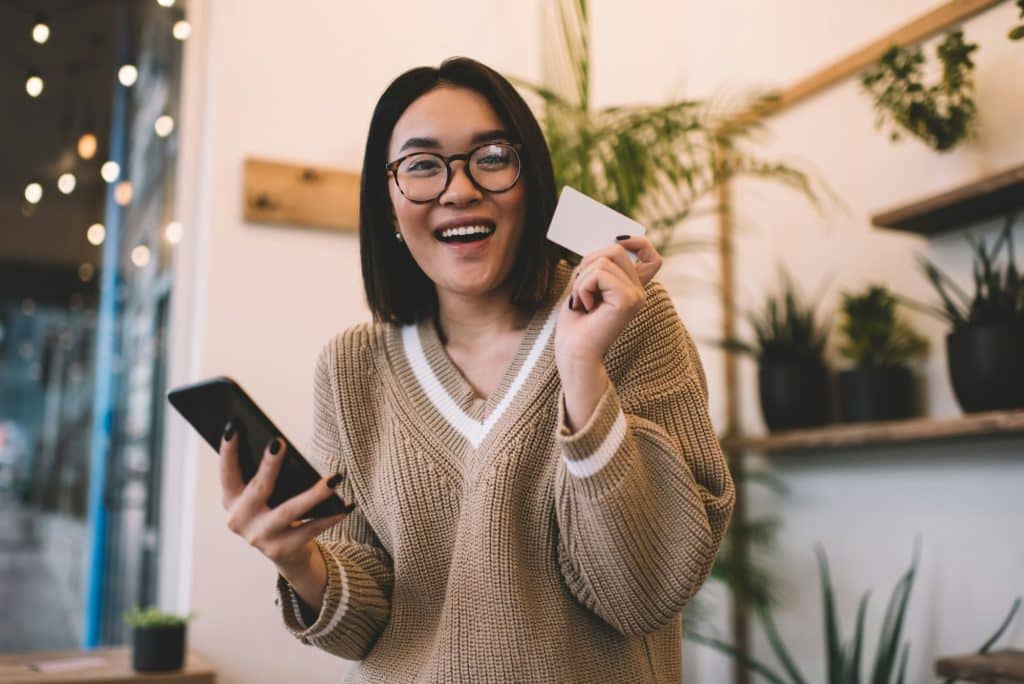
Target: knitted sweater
x=490, y=544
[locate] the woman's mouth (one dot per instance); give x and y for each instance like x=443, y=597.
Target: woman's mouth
x=464, y=234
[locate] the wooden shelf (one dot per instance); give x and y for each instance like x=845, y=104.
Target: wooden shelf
x=997, y=666
x=997, y=194
x=852, y=435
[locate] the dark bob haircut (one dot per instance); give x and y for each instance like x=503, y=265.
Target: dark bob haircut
x=397, y=290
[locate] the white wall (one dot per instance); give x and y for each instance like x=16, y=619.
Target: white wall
x=867, y=507
x=298, y=81
x=294, y=81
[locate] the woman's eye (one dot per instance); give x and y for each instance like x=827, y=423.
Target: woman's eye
x=494, y=159
x=421, y=166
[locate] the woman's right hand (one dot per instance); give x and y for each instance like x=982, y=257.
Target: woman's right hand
x=276, y=532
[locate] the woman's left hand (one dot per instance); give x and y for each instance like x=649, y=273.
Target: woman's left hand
x=607, y=291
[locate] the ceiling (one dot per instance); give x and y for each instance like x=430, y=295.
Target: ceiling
x=38, y=136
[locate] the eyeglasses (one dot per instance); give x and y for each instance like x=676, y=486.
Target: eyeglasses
x=424, y=176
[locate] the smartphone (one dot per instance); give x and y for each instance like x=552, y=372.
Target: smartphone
x=208, y=405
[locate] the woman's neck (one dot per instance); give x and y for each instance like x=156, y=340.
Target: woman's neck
x=465, y=320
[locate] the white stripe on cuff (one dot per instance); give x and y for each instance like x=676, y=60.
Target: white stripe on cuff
x=342, y=607
x=592, y=464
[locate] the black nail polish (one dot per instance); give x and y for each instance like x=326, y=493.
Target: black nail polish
x=275, y=446
x=229, y=431
x=622, y=237
x=335, y=480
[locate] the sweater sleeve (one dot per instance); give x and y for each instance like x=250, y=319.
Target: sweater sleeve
x=643, y=494
x=357, y=600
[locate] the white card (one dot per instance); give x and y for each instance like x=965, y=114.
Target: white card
x=583, y=224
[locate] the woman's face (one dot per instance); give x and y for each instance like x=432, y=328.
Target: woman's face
x=450, y=120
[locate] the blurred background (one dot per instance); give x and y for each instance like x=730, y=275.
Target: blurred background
x=178, y=194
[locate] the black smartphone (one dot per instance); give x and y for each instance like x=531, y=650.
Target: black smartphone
x=208, y=405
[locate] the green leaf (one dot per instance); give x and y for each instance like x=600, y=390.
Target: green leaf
x=892, y=625
x=778, y=647
x=747, y=661
x=833, y=651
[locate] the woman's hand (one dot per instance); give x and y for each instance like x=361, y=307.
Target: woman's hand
x=607, y=291
x=276, y=532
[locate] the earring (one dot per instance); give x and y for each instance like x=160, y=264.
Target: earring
x=398, y=237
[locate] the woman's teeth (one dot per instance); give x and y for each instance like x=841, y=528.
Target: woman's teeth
x=465, y=233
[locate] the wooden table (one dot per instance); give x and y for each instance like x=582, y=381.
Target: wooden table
x=100, y=666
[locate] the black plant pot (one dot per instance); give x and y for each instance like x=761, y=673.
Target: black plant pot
x=986, y=366
x=869, y=394
x=794, y=394
x=158, y=649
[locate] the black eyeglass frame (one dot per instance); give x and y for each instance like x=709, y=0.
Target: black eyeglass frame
x=447, y=161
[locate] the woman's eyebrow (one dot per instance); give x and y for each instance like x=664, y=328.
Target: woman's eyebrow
x=432, y=143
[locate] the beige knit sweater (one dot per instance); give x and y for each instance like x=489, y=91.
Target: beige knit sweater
x=490, y=545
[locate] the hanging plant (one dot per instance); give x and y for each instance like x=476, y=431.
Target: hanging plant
x=942, y=114
x=1017, y=32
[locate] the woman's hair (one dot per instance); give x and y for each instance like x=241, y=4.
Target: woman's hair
x=397, y=290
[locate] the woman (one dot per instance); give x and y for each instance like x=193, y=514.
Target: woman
x=538, y=488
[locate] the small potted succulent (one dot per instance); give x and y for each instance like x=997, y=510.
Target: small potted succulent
x=158, y=639
x=880, y=344
x=793, y=381
x=985, y=346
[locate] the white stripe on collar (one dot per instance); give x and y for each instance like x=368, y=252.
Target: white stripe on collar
x=474, y=431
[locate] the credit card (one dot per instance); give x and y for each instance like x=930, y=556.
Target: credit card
x=583, y=225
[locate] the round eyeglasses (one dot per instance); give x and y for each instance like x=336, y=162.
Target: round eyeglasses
x=422, y=177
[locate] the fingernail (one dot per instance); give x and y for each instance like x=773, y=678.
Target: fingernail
x=229, y=431
x=275, y=446
x=622, y=237
x=335, y=480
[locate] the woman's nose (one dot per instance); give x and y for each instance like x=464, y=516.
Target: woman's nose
x=460, y=188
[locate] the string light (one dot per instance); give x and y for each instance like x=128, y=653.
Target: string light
x=110, y=171
x=140, y=256
x=41, y=30
x=34, y=84
x=128, y=75
x=96, y=234
x=182, y=29
x=66, y=183
x=87, y=146
x=165, y=3
x=86, y=271
x=33, y=193
x=123, y=192
x=173, y=232
x=164, y=125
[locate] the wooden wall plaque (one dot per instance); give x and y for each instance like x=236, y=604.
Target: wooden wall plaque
x=285, y=193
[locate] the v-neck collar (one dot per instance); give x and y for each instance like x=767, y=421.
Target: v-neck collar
x=446, y=390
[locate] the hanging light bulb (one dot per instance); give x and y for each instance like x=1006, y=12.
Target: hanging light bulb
x=110, y=171
x=123, y=192
x=34, y=84
x=87, y=146
x=41, y=30
x=140, y=256
x=33, y=193
x=66, y=183
x=182, y=29
x=128, y=75
x=164, y=125
x=86, y=271
x=165, y=3
x=96, y=234
x=173, y=232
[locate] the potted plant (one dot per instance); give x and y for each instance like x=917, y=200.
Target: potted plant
x=985, y=347
x=879, y=343
x=158, y=639
x=844, y=659
x=792, y=374
x=941, y=114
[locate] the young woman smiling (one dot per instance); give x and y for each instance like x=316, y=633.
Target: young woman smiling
x=538, y=487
